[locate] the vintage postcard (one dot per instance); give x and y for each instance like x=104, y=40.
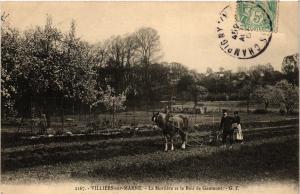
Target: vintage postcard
x=150, y=97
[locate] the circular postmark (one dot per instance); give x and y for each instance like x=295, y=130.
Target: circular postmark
x=239, y=42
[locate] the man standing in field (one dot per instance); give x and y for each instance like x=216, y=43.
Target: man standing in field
x=226, y=125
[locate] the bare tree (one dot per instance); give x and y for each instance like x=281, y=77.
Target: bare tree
x=130, y=46
x=148, y=50
x=148, y=42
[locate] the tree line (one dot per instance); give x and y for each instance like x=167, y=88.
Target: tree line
x=43, y=67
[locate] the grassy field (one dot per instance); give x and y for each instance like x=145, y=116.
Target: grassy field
x=270, y=153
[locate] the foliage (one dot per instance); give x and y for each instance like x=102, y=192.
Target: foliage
x=265, y=94
x=10, y=58
x=113, y=102
x=190, y=83
x=43, y=63
x=288, y=94
x=290, y=68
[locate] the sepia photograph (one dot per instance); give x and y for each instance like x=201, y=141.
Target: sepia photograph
x=149, y=96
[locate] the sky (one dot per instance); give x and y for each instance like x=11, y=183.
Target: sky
x=187, y=29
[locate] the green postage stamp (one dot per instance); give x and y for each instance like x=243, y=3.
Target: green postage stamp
x=257, y=15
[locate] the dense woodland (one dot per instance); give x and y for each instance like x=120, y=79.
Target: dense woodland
x=43, y=66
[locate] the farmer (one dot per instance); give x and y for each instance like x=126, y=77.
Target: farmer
x=226, y=125
x=236, y=125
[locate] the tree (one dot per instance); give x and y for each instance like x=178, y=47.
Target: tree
x=38, y=72
x=148, y=52
x=264, y=94
x=10, y=60
x=192, y=86
x=288, y=94
x=198, y=92
x=79, y=72
x=262, y=74
x=148, y=45
x=116, y=59
x=290, y=67
x=42, y=65
x=177, y=70
x=113, y=102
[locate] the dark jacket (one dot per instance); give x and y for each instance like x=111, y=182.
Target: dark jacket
x=226, y=123
x=236, y=119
